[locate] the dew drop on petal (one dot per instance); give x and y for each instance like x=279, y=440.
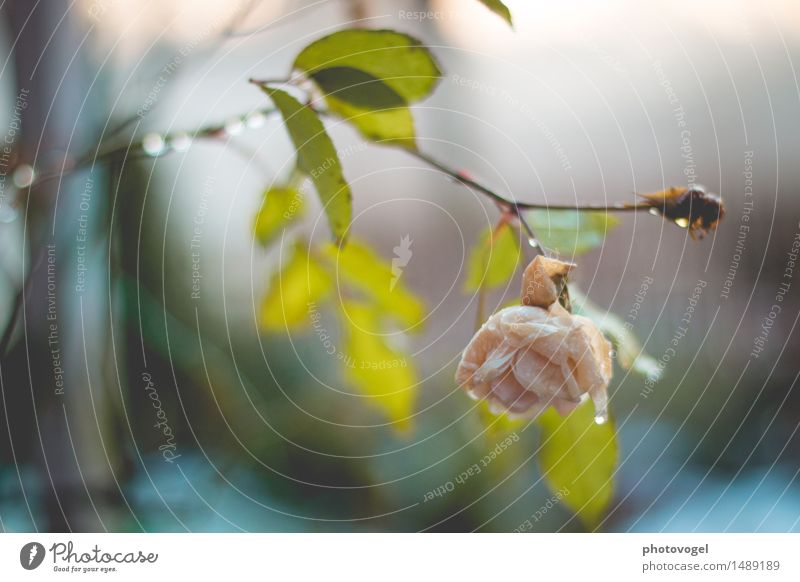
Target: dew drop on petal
x=600, y=408
x=153, y=144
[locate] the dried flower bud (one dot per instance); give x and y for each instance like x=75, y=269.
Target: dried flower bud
x=543, y=281
x=691, y=208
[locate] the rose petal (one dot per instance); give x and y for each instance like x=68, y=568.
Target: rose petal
x=564, y=407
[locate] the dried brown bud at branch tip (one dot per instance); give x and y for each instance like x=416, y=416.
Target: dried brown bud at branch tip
x=691, y=208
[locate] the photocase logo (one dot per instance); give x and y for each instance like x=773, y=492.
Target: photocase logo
x=31, y=555
x=402, y=254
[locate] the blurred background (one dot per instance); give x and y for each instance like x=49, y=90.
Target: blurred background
x=138, y=280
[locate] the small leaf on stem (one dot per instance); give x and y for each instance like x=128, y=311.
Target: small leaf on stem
x=569, y=232
x=374, y=108
x=494, y=258
x=397, y=59
x=317, y=158
x=500, y=9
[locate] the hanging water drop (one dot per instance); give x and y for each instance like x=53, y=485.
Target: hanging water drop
x=654, y=211
x=600, y=408
x=534, y=244
x=8, y=212
x=23, y=176
x=682, y=222
x=180, y=142
x=234, y=126
x=255, y=120
x=153, y=144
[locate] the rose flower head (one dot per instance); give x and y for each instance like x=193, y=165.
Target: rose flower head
x=528, y=357
x=691, y=208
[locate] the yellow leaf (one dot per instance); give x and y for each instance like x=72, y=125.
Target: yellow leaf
x=281, y=207
x=389, y=126
x=578, y=458
x=374, y=108
x=360, y=267
x=294, y=290
x=317, y=158
x=493, y=259
x=385, y=376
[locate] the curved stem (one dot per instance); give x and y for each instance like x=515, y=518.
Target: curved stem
x=137, y=151
x=513, y=205
x=262, y=82
x=217, y=130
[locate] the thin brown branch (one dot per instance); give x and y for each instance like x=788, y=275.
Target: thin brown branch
x=513, y=205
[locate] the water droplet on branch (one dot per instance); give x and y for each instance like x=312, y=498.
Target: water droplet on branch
x=234, y=126
x=153, y=144
x=8, y=212
x=23, y=176
x=255, y=120
x=180, y=142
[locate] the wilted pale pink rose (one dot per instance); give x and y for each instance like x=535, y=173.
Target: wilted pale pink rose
x=528, y=357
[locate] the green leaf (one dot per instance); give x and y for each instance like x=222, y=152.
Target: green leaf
x=498, y=8
x=317, y=158
x=357, y=88
x=386, y=376
x=389, y=126
x=281, y=207
x=360, y=267
x=397, y=59
x=375, y=109
x=571, y=232
x=302, y=281
x=493, y=259
x=578, y=457
x=630, y=354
